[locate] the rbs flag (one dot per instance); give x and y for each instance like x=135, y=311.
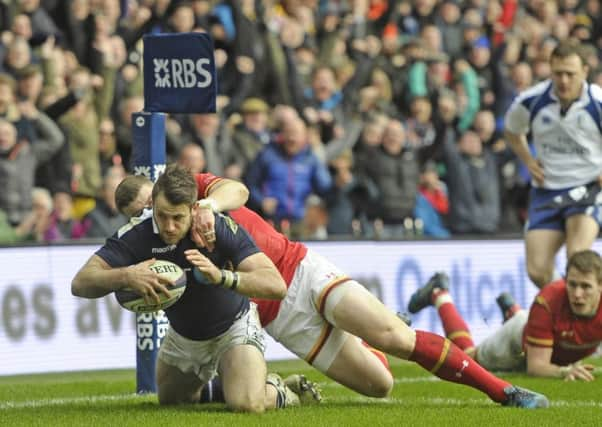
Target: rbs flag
x=179, y=73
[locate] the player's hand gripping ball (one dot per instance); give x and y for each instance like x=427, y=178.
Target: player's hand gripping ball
x=130, y=300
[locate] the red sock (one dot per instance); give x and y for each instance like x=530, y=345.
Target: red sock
x=379, y=354
x=456, y=329
x=445, y=360
x=508, y=314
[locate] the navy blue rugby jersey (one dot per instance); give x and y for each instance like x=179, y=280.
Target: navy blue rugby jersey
x=205, y=310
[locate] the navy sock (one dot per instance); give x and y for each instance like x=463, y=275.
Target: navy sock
x=212, y=392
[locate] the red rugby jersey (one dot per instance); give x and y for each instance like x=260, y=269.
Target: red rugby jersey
x=285, y=254
x=552, y=324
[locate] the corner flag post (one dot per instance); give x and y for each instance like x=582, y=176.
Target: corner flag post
x=148, y=156
x=179, y=77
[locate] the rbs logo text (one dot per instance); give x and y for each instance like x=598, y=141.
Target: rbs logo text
x=181, y=73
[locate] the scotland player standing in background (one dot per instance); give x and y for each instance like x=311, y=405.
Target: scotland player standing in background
x=564, y=118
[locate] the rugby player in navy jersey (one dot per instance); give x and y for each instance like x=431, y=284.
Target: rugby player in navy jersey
x=213, y=326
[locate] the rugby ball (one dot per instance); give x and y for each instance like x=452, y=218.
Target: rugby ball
x=130, y=300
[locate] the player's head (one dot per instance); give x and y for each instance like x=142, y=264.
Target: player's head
x=569, y=70
x=174, y=194
x=133, y=194
x=584, y=282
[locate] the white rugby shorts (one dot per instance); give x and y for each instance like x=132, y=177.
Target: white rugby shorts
x=301, y=324
x=201, y=358
x=503, y=350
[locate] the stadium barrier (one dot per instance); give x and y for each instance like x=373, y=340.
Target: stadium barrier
x=43, y=328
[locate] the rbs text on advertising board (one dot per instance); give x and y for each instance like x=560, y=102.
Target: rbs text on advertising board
x=179, y=73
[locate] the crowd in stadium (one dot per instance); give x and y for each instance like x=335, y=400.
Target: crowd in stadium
x=366, y=118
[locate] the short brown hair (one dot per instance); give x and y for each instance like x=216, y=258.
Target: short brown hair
x=177, y=185
x=128, y=189
x=569, y=47
x=586, y=261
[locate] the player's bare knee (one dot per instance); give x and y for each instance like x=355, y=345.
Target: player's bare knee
x=538, y=275
x=250, y=405
x=382, y=387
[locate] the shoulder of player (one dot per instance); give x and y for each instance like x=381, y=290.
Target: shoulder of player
x=533, y=91
x=205, y=181
x=596, y=92
x=136, y=225
x=553, y=295
x=224, y=224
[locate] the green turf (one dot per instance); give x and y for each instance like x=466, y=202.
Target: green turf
x=106, y=399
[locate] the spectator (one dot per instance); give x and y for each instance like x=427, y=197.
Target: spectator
x=473, y=186
x=448, y=20
x=63, y=225
x=342, y=201
x=107, y=147
x=284, y=174
x=81, y=126
x=251, y=135
x=18, y=160
x=192, y=157
x=315, y=219
x=41, y=23
x=394, y=170
x=420, y=130
x=325, y=104
x=104, y=219
x=207, y=131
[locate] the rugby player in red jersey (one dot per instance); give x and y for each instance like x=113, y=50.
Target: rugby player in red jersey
x=563, y=326
x=325, y=312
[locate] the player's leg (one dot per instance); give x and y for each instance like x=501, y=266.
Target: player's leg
x=175, y=386
x=508, y=306
x=436, y=293
x=213, y=392
x=541, y=247
x=502, y=350
x=246, y=385
x=243, y=373
x=360, y=313
x=183, y=366
x=303, y=330
x=581, y=232
x=544, y=235
x=358, y=368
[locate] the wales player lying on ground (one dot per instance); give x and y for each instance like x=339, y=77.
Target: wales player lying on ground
x=563, y=326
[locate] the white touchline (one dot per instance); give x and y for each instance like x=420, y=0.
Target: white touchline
x=59, y=401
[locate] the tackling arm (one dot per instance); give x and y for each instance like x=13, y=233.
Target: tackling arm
x=539, y=365
x=224, y=195
x=227, y=194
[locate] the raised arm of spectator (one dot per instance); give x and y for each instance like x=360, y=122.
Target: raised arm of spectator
x=417, y=84
x=51, y=138
x=468, y=77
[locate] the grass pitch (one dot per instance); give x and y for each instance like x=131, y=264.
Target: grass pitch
x=106, y=398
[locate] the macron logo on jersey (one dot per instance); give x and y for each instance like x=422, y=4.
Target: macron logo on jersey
x=163, y=249
x=181, y=73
